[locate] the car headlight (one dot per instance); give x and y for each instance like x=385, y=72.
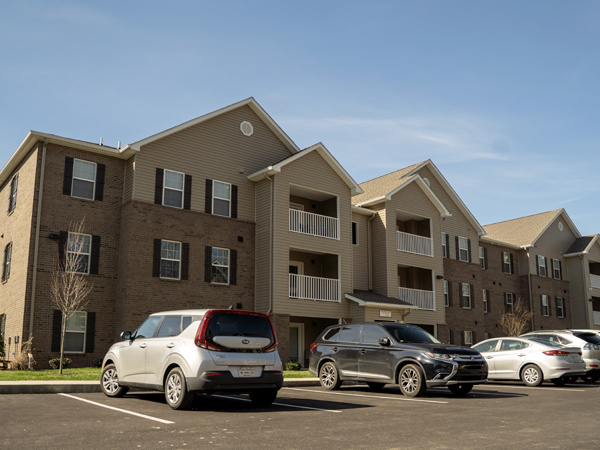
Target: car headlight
x=442, y=356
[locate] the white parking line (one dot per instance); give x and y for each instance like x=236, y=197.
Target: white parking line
x=370, y=396
x=493, y=386
x=279, y=404
x=143, y=416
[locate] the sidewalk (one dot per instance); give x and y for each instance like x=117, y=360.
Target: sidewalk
x=71, y=387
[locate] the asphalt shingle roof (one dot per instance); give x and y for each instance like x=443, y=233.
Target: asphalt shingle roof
x=580, y=244
x=369, y=296
x=522, y=231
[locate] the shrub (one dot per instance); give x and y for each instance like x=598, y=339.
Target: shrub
x=292, y=366
x=55, y=363
x=2, y=355
x=22, y=360
x=98, y=363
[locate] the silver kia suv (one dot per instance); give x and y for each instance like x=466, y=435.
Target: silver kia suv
x=197, y=351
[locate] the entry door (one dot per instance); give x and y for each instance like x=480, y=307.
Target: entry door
x=297, y=343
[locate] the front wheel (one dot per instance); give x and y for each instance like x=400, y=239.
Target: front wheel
x=460, y=389
x=329, y=376
x=263, y=397
x=412, y=381
x=532, y=375
x=176, y=393
x=110, y=382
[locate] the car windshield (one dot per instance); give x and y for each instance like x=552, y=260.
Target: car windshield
x=408, y=333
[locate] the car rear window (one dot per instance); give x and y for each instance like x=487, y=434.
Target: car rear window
x=592, y=338
x=225, y=324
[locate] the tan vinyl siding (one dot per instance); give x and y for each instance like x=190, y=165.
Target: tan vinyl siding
x=360, y=254
x=552, y=244
x=129, y=179
x=581, y=308
x=263, y=246
x=380, y=262
x=216, y=150
x=313, y=172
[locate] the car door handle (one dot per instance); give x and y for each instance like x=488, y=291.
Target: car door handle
x=171, y=345
x=489, y=357
x=362, y=352
x=522, y=354
x=334, y=349
x=143, y=345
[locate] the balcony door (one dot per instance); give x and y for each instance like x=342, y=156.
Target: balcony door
x=297, y=343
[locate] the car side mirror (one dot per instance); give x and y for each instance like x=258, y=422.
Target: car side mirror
x=385, y=342
x=126, y=335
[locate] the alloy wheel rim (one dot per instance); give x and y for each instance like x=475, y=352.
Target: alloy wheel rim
x=110, y=381
x=327, y=376
x=174, y=388
x=531, y=375
x=409, y=380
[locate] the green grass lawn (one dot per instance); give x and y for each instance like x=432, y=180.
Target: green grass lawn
x=89, y=374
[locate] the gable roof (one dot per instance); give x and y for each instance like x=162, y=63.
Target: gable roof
x=386, y=184
x=250, y=102
x=325, y=154
x=582, y=245
x=525, y=231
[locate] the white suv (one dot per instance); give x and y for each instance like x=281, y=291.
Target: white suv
x=203, y=351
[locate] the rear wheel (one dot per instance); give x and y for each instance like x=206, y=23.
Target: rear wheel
x=590, y=379
x=263, y=397
x=412, y=381
x=176, y=393
x=532, y=375
x=329, y=376
x=460, y=389
x=376, y=386
x=110, y=382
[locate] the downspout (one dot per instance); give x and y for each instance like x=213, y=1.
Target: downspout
x=37, y=239
x=530, y=294
x=369, y=255
x=586, y=290
x=271, y=251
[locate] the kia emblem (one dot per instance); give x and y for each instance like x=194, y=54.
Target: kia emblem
x=245, y=341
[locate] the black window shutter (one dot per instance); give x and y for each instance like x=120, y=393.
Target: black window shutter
x=208, y=264
x=63, y=236
x=233, y=267
x=449, y=293
x=158, y=187
x=156, y=258
x=90, y=332
x=234, y=201
x=450, y=337
x=502, y=261
x=95, y=256
x=537, y=265
x=560, y=271
x=472, y=296
x=547, y=268
x=56, y=330
x=100, y=182
x=68, y=179
x=473, y=338
x=469, y=248
x=462, y=338
x=564, y=302
x=187, y=193
x=457, y=249
x=208, y=197
x=447, y=246
x=512, y=264
x=185, y=260
x=485, y=258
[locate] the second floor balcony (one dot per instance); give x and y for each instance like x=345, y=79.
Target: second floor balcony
x=420, y=298
x=315, y=288
x=416, y=287
x=412, y=243
x=314, y=224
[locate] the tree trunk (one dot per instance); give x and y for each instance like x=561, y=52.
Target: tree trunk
x=62, y=344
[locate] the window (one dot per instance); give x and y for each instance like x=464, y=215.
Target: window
x=6, y=262
x=486, y=347
x=468, y=337
x=354, y=233
x=463, y=249
x=509, y=302
x=221, y=198
x=170, y=326
x=465, y=289
x=220, y=266
x=560, y=307
x=486, y=335
x=173, y=189
x=170, y=260
x=12, y=194
x=372, y=334
x=75, y=332
x=84, y=179
x=485, y=300
x=556, y=269
x=450, y=337
x=545, y=305
x=148, y=328
x=483, y=257
x=507, y=262
x=541, y=266
x=445, y=246
x=446, y=294
x=79, y=250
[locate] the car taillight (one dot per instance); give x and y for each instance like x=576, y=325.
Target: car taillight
x=556, y=353
x=200, y=339
x=313, y=346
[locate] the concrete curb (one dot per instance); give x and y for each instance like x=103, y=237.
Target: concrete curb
x=74, y=387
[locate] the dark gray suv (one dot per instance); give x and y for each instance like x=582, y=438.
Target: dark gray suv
x=383, y=353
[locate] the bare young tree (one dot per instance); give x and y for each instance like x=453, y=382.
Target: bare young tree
x=517, y=321
x=70, y=286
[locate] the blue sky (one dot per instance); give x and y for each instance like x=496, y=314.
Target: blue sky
x=502, y=95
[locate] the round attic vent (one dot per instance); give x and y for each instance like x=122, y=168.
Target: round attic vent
x=246, y=128
x=560, y=226
x=427, y=182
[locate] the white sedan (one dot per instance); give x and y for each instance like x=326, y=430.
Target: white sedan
x=531, y=361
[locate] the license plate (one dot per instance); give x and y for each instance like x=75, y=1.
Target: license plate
x=247, y=372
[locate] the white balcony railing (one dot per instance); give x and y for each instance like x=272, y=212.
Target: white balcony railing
x=412, y=243
x=314, y=224
x=314, y=288
x=595, y=281
x=420, y=299
x=596, y=317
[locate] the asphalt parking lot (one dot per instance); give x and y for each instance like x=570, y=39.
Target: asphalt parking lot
x=494, y=416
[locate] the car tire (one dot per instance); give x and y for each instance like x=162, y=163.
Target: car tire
x=377, y=387
x=460, y=389
x=411, y=381
x=590, y=379
x=263, y=397
x=560, y=381
x=532, y=375
x=329, y=376
x=109, y=380
x=176, y=393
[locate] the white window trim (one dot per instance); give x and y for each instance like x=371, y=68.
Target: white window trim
x=468, y=341
x=89, y=255
x=297, y=206
x=462, y=240
x=466, y=296
x=77, y=332
x=505, y=263
x=446, y=294
x=171, y=259
x=482, y=258
x=542, y=265
x=214, y=197
x=509, y=295
x=556, y=268
x=220, y=265
x=545, y=305
x=562, y=307
x=73, y=178
x=182, y=190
